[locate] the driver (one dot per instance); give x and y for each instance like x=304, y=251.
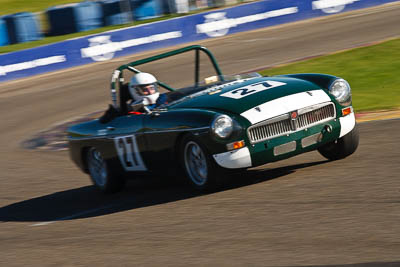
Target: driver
x=143, y=88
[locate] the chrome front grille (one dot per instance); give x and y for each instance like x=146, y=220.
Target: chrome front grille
x=316, y=115
x=284, y=124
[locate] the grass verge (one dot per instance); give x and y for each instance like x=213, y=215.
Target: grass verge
x=14, y=6
x=373, y=73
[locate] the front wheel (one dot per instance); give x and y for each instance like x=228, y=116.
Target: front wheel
x=342, y=147
x=198, y=166
x=102, y=176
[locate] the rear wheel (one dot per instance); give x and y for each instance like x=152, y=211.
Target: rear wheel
x=102, y=176
x=342, y=147
x=200, y=169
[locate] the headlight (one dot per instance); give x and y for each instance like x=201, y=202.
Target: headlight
x=222, y=126
x=340, y=89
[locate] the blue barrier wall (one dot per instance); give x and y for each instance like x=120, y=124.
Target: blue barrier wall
x=3, y=33
x=22, y=27
x=112, y=13
x=108, y=45
x=143, y=9
x=61, y=20
x=88, y=15
x=72, y=18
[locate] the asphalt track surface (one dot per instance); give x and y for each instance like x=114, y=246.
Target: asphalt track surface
x=304, y=211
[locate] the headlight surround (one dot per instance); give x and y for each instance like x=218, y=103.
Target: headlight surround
x=222, y=126
x=341, y=90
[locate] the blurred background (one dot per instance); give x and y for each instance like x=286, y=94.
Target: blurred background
x=21, y=21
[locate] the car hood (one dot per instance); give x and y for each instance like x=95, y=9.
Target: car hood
x=240, y=96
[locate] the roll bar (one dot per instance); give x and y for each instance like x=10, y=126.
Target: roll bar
x=117, y=76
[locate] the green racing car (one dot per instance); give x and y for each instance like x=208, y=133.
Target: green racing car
x=214, y=126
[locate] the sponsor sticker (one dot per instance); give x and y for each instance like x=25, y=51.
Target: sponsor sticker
x=31, y=64
x=101, y=48
x=217, y=24
x=331, y=6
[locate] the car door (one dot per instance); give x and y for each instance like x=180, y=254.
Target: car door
x=162, y=130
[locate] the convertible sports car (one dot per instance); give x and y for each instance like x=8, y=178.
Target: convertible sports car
x=218, y=124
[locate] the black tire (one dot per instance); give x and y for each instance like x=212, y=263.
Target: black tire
x=102, y=176
x=342, y=147
x=197, y=164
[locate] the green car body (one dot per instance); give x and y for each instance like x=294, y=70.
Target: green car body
x=268, y=119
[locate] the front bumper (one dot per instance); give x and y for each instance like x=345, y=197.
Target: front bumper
x=347, y=124
x=235, y=159
x=286, y=146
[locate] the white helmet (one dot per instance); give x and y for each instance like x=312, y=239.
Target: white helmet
x=143, y=87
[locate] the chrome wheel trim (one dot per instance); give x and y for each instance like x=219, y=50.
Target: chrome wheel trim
x=195, y=163
x=97, y=167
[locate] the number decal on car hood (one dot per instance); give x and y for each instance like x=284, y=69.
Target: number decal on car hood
x=252, y=89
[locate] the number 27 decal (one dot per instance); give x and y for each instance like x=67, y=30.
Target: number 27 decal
x=252, y=89
x=129, y=154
